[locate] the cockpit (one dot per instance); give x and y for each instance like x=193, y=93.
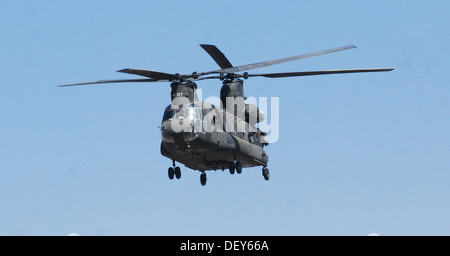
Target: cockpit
x=183, y=123
x=192, y=111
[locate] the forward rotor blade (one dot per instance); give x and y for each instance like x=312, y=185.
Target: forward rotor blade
x=112, y=81
x=324, y=72
x=217, y=55
x=149, y=73
x=278, y=61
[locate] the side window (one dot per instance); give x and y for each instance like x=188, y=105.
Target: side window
x=168, y=114
x=251, y=139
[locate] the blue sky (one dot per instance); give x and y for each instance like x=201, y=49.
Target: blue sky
x=357, y=153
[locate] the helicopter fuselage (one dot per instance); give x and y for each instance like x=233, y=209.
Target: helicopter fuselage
x=202, y=143
x=213, y=151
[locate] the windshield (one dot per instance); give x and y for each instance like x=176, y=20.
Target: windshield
x=192, y=111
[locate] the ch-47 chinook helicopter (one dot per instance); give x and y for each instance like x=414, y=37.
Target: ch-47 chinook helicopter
x=205, y=137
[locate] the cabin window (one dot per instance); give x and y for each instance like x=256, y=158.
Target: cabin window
x=251, y=139
x=168, y=113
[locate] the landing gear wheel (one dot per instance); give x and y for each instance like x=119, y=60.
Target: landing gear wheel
x=238, y=167
x=231, y=167
x=177, y=172
x=203, y=179
x=171, y=172
x=266, y=173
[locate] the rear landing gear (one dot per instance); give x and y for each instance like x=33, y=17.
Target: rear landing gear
x=235, y=166
x=203, y=179
x=231, y=167
x=266, y=173
x=238, y=166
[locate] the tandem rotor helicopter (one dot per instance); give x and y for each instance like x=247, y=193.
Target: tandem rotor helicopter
x=205, y=137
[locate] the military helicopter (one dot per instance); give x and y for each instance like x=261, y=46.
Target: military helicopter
x=205, y=137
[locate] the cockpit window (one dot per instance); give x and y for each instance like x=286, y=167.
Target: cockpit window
x=168, y=113
x=192, y=111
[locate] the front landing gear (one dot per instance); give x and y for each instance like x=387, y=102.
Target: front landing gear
x=266, y=173
x=174, y=171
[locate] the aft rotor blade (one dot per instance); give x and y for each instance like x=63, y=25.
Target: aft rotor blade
x=217, y=55
x=149, y=73
x=278, y=61
x=324, y=72
x=112, y=81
